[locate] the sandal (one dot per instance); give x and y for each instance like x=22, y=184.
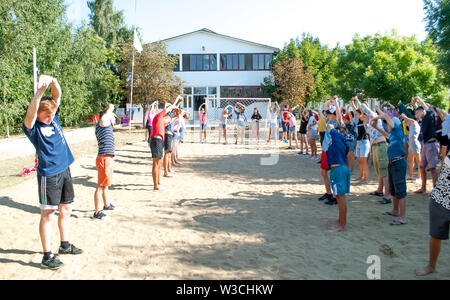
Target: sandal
x=377, y=193
x=385, y=201
x=388, y=213
x=399, y=222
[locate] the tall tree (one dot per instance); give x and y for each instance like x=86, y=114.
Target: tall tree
x=293, y=80
x=438, y=26
x=319, y=59
x=108, y=23
x=154, y=78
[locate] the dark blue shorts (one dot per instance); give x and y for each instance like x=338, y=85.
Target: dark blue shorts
x=285, y=127
x=397, y=178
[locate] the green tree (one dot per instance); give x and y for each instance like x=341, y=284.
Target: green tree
x=391, y=68
x=78, y=57
x=108, y=23
x=154, y=78
x=438, y=26
x=319, y=59
x=26, y=24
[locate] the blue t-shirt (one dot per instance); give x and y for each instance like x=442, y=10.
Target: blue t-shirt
x=327, y=138
x=51, y=146
x=337, y=150
x=396, y=138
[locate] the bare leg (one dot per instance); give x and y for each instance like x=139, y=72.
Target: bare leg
x=98, y=193
x=423, y=176
x=45, y=228
x=342, y=222
x=326, y=181
x=434, y=176
x=435, y=248
x=411, y=166
x=155, y=173
x=65, y=210
x=387, y=195
x=105, y=196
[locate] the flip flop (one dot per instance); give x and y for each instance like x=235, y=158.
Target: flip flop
x=376, y=193
x=398, y=222
x=388, y=213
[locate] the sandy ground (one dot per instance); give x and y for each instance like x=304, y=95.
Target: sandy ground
x=224, y=215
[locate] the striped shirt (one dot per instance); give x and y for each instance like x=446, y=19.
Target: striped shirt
x=105, y=139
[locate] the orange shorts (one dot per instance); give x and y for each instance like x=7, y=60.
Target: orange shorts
x=104, y=165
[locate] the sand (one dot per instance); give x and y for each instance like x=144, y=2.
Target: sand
x=222, y=216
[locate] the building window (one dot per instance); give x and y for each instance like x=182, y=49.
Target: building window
x=200, y=91
x=245, y=62
x=240, y=92
x=199, y=62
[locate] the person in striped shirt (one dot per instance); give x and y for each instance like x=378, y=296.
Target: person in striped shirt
x=104, y=162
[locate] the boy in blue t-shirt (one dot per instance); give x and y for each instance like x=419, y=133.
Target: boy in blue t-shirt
x=339, y=172
x=42, y=127
x=397, y=166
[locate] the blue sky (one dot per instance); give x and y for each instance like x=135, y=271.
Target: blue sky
x=267, y=21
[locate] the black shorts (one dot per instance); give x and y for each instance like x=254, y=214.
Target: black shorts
x=157, y=148
x=439, y=211
x=168, y=142
x=55, y=190
x=149, y=129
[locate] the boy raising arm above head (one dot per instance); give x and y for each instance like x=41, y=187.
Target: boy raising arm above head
x=42, y=127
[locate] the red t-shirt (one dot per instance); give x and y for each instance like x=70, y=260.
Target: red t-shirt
x=284, y=115
x=158, y=125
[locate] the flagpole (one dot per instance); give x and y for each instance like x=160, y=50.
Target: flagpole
x=132, y=83
x=132, y=64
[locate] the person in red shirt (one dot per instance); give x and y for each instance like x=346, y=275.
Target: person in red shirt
x=159, y=124
x=285, y=123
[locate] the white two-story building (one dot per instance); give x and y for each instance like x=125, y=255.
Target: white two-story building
x=217, y=65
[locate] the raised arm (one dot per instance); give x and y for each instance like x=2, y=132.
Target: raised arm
x=56, y=91
x=403, y=110
x=338, y=110
x=374, y=125
x=365, y=108
x=407, y=120
x=43, y=83
x=422, y=103
x=353, y=104
x=388, y=119
x=439, y=112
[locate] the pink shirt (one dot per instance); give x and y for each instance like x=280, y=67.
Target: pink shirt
x=150, y=117
x=202, y=119
x=292, y=121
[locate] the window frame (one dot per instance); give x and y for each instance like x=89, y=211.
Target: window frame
x=242, y=64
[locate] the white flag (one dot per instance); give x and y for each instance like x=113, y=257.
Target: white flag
x=136, y=42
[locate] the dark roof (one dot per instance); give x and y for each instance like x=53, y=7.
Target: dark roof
x=206, y=30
